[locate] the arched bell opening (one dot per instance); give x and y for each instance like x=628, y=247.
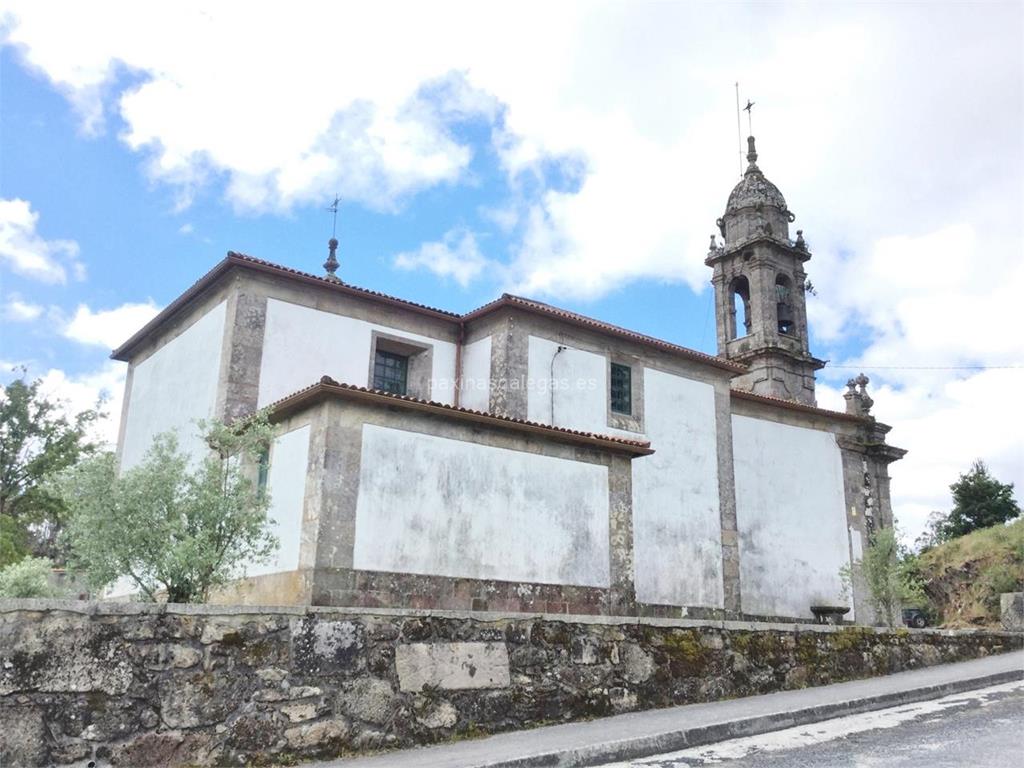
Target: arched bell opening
x=739, y=310
x=784, y=305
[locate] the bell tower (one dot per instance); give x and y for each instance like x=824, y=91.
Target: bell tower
x=759, y=280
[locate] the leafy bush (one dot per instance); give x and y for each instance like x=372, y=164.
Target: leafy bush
x=892, y=575
x=174, y=532
x=28, y=578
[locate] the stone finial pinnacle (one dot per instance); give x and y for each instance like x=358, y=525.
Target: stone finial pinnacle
x=858, y=402
x=331, y=265
x=751, y=152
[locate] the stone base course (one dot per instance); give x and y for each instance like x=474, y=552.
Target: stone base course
x=144, y=685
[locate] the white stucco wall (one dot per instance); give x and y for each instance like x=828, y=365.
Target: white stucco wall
x=302, y=344
x=476, y=374
x=174, y=387
x=433, y=505
x=286, y=484
x=790, y=512
x=676, y=522
x=580, y=387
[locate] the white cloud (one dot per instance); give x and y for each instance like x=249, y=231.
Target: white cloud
x=458, y=256
x=186, y=229
x=109, y=327
x=352, y=101
x=29, y=254
x=946, y=425
x=886, y=151
x=78, y=392
x=928, y=311
x=18, y=311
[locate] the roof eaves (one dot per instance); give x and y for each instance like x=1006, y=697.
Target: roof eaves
x=793, y=405
x=250, y=262
x=194, y=290
x=601, y=326
x=328, y=387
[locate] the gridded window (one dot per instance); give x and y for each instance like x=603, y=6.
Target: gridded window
x=621, y=395
x=390, y=372
x=263, y=473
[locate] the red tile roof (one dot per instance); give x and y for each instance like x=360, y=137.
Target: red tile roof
x=234, y=259
x=793, y=405
x=328, y=387
x=575, y=318
x=240, y=259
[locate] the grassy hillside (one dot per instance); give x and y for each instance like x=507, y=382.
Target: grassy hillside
x=963, y=578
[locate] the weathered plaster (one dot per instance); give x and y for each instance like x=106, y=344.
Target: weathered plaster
x=479, y=511
x=676, y=496
x=476, y=374
x=286, y=486
x=175, y=386
x=302, y=344
x=790, y=502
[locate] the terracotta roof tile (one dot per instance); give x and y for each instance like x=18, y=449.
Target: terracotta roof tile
x=328, y=386
x=600, y=325
x=794, y=405
x=239, y=259
x=348, y=287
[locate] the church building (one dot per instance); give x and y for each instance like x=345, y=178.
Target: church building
x=522, y=457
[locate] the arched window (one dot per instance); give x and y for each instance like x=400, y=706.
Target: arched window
x=740, y=309
x=784, y=304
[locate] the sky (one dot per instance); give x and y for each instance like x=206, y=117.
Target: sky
x=578, y=153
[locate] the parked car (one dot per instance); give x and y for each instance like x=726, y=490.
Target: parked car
x=915, y=617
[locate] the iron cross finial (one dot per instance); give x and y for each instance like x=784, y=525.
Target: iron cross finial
x=333, y=208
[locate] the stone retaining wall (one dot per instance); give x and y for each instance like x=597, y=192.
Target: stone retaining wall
x=139, y=685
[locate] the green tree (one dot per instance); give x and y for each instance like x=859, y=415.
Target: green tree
x=979, y=501
x=891, y=574
x=881, y=573
x=932, y=535
x=166, y=527
x=36, y=440
x=30, y=577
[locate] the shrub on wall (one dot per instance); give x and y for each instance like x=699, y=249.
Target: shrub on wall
x=173, y=532
x=29, y=577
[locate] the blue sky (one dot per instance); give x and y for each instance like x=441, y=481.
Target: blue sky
x=578, y=154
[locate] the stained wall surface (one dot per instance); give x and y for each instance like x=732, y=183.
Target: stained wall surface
x=438, y=506
x=302, y=344
x=572, y=381
x=174, y=387
x=476, y=374
x=790, y=512
x=286, y=484
x=676, y=519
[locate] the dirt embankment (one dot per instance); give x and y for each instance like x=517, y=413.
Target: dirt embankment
x=963, y=578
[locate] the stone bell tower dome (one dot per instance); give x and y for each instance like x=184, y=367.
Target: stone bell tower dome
x=760, y=302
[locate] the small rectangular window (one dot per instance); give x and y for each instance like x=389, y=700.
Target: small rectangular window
x=263, y=474
x=390, y=372
x=621, y=394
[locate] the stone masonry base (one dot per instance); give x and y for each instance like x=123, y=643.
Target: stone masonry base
x=144, y=685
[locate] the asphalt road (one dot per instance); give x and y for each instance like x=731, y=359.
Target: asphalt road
x=979, y=729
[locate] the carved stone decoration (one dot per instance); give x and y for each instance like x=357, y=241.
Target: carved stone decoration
x=331, y=265
x=757, y=258
x=858, y=402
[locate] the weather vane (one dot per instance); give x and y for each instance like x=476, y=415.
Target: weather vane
x=749, y=109
x=331, y=265
x=333, y=208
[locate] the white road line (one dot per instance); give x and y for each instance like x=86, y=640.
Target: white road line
x=827, y=730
